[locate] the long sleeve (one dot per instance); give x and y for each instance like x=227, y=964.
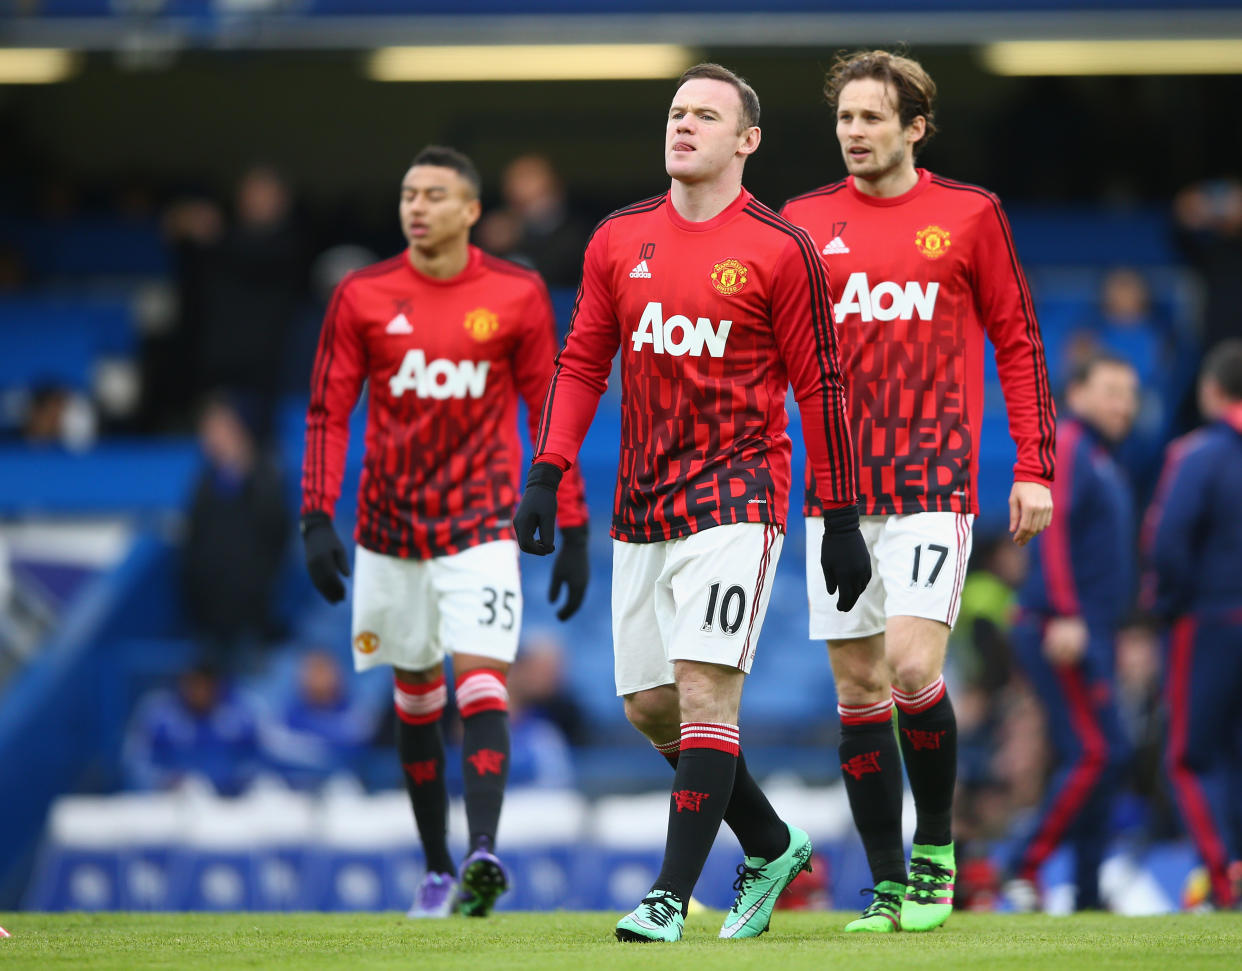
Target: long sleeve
x=807, y=340
x=1170, y=529
x=533, y=368
x=1008, y=315
x=336, y=381
x=584, y=363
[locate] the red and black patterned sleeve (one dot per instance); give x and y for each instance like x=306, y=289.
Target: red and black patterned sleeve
x=532, y=369
x=806, y=337
x=1008, y=315
x=336, y=381
x=584, y=363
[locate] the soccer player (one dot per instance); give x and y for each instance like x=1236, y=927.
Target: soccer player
x=1075, y=597
x=717, y=305
x=447, y=339
x=1192, y=536
x=924, y=268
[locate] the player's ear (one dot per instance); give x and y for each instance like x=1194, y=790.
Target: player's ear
x=916, y=129
x=474, y=209
x=750, y=141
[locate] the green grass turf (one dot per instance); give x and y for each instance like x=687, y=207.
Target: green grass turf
x=584, y=941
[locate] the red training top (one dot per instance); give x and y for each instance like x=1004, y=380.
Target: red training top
x=920, y=278
x=714, y=321
x=446, y=361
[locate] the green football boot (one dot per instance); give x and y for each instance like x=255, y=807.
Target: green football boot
x=883, y=914
x=759, y=883
x=657, y=918
x=929, y=897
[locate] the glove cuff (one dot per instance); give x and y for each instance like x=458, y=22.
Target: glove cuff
x=313, y=520
x=574, y=535
x=842, y=520
x=545, y=475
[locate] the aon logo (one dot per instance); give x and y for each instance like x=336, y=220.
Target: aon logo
x=440, y=378
x=679, y=335
x=888, y=301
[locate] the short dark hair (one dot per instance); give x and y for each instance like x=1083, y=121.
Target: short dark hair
x=441, y=156
x=1081, y=370
x=717, y=72
x=916, y=91
x=1223, y=364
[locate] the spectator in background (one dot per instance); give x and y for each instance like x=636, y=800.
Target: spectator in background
x=241, y=284
x=536, y=226
x=58, y=415
x=1209, y=228
x=1126, y=322
x=540, y=675
x=202, y=730
x=1192, y=539
x=324, y=711
x=237, y=531
x=539, y=748
x=1076, y=596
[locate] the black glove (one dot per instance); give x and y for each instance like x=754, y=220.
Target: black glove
x=844, y=557
x=572, y=569
x=325, y=556
x=537, y=510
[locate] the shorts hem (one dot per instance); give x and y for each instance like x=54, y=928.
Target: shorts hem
x=622, y=692
x=835, y=636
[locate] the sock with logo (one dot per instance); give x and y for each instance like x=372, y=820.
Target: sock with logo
x=927, y=728
x=871, y=767
x=420, y=746
x=754, y=822
x=483, y=701
x=702, y=786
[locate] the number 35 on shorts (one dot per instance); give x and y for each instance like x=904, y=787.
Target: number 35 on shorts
x=498, y=608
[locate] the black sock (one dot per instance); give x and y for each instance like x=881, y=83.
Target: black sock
x=702, y=787
x=485, y=768
x=421, y=749
x=871, y=767
x=929, y=745
x=754, y=822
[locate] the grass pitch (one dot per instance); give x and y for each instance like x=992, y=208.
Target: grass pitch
x=584, y=941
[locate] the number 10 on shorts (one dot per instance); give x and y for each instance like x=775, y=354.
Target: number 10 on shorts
x=732, y=607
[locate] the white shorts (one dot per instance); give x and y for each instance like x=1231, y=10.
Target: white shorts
x=700, y=597
x=410, y=613
x=918, y=565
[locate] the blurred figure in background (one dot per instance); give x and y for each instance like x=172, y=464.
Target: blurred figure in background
x=538, y=676
x=325, y=712
x=1209, y=227
x=536, y=226
x=202, y=730
x=59, y=416
x=1076, y=595
x=539, y=747
x=237, y=530
x=241, y=282
x=1192, y=538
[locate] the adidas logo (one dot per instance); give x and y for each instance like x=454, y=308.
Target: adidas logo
x=640, y=272
x=399, y=325
x=836, y=247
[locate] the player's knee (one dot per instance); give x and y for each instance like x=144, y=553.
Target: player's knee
x=862, y=685
x=912, y=674
x=654, y=712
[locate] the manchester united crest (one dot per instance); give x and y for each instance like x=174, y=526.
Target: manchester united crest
x=481, y=323
x=729, y=277
x=933, y=242
x=366, y=642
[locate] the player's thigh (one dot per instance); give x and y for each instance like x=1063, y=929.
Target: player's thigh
x=866, y=617
x=480, y=600
x=395, y=613
x=639, y=659
x=721, y=582
x=922, y=561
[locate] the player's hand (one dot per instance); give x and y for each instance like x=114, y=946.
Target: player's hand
x=572, y=569
x=1030, y=511
x=325, y=556
x=844, y=557
x=1065, y=641
x=536, y=513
